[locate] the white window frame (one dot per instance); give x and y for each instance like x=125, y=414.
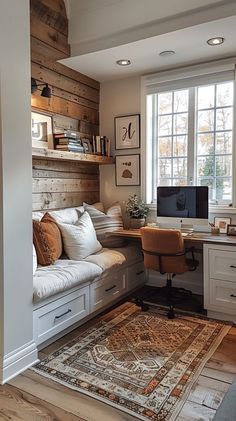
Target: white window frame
x=192, y=76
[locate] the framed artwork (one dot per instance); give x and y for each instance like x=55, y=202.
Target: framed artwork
x=222, y=224
x=41, y=130
x=86, y=145
x=231, y=229
x=128, y=170
x=127, y=132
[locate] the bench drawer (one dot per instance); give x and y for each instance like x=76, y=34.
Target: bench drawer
x=60, y=314
x=136, y=275
x=223, y=296
x=105, y=291
x=223, y=265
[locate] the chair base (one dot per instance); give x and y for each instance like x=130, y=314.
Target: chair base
x=170, y=294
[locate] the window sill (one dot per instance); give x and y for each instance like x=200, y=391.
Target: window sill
x=221, y=209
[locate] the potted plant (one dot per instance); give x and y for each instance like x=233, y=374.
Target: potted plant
x=137, y=211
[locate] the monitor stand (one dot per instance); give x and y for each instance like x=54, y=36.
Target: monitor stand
x=188, y=228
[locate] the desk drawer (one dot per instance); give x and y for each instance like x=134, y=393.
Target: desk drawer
x=60, y=314
x=223, y=264
x=223, y=296
x=105, y=291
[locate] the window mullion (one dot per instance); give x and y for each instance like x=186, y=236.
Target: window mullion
x=191, y=139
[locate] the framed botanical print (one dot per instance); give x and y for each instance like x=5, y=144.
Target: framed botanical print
x=41, y=130
x=128, y=170
x=127, y=132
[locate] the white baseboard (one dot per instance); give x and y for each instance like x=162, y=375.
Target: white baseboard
x=17, y=361
x=221, y=316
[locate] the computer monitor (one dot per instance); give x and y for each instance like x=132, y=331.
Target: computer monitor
x=182, y=206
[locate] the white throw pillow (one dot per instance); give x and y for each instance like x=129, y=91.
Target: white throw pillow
x=34, y=260
x=80, y=240
x=67, y=215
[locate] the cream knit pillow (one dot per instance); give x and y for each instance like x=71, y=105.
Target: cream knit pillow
x=80, y=239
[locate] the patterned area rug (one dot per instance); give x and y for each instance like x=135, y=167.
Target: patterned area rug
x=139, y=362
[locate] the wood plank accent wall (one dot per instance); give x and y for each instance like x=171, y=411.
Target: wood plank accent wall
x=74, y=104
x=59, y=184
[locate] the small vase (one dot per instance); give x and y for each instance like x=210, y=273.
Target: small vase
x=136, y=223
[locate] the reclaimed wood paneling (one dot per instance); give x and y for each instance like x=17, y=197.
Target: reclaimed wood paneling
x=51, y=64
x=57, y=20
x=63, y=82
x=57, y=105
x=74, y=104
x=49, y=35
x=63, y=184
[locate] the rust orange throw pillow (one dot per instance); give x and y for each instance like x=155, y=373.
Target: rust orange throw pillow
x=47, y=240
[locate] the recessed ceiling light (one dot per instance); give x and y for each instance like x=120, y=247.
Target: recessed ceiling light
x=167, y=53
x=215, y=41
x=123, y=62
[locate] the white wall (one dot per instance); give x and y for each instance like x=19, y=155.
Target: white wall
x=120, y=97
x=17, y=349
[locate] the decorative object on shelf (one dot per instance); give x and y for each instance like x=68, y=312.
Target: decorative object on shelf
x=128, y=170
x=231, y=229
x=86, y=145
x=127, y=132
x=222, y=224
x=46, y=91
x=41, y=130
x=137, y=211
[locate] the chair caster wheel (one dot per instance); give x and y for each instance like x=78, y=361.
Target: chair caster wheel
x=139, y=302
x=171, y=314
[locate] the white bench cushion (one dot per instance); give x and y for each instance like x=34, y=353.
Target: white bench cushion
x=61, y=276
x=108, y=258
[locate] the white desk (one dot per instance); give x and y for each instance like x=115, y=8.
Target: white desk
x=219, y=270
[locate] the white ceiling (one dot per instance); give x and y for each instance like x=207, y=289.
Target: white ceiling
x=189, y=44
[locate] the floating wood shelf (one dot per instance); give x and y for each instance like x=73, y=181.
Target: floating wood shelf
x=71, y=156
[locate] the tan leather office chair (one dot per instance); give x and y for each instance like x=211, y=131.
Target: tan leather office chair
x=164, y=251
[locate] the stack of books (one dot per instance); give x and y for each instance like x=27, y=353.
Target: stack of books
x=68, y=141
x=101, y=145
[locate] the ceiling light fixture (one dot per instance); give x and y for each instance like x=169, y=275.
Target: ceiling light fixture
x=46, y=91
x=166, y=53
x=123, y=62
x=215, y=41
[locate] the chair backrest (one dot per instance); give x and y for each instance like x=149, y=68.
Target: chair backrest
x=163, y=242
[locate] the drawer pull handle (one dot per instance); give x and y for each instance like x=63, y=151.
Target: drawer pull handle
x=233, y=266
x=63, y=314
x=140, y=272
x=109, y=289
x=233, y=295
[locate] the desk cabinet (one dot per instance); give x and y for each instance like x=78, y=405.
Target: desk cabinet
x=220, y=281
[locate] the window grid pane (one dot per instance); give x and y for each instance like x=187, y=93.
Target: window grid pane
x=214, y=140
x=173, y=126
x=172, y=141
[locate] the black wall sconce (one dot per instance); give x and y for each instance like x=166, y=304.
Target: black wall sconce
x=46, y=91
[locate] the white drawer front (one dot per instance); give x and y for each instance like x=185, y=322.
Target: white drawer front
x=105, y=291
x=223, y=265
x=57, y=316
x=223, y=296
x=136, y=275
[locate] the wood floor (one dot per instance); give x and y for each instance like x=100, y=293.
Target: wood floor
x=31, y=397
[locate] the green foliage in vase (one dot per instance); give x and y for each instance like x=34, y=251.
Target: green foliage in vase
x=136, y=208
